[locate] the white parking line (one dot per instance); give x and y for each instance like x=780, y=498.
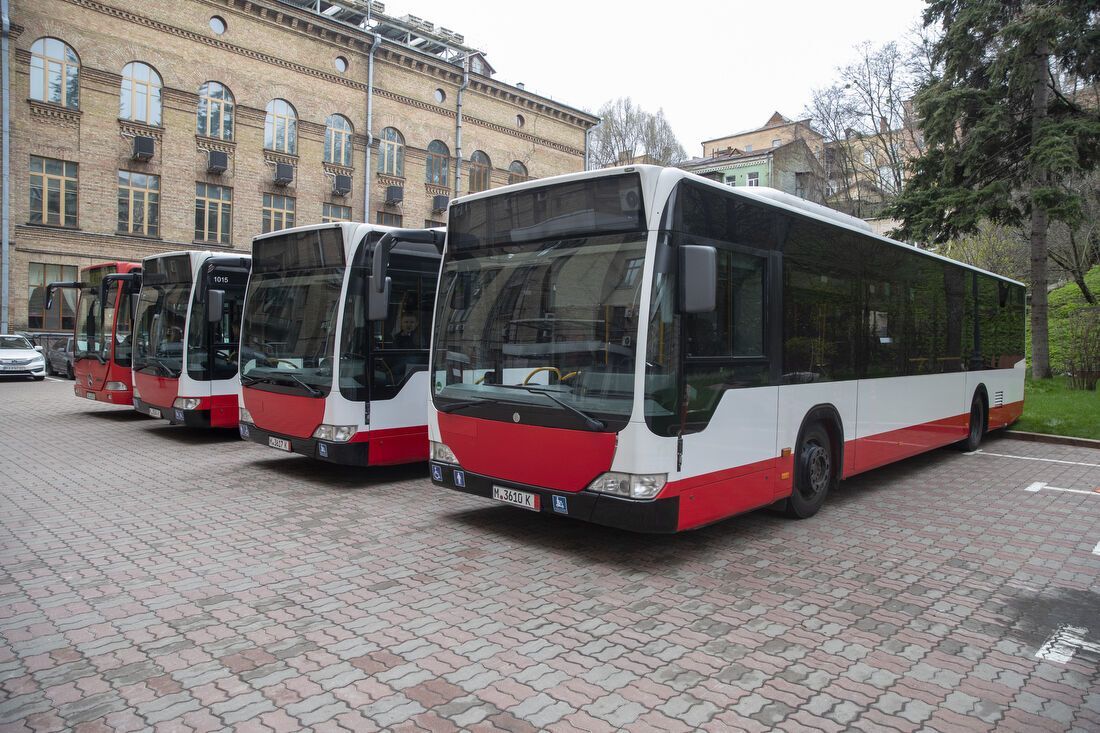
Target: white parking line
x=1096, y=550
x=1040, y=485
x=980, y=452
x=1064, y=643
x=55, y=379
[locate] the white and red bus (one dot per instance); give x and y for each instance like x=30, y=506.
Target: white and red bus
x=103, y=330
x=321, y=374
x=186, y=337
x=644, y=348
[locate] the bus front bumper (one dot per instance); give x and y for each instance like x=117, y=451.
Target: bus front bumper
x=656, y=516
x=109, y=397
x=174, y=415
x=346, y=454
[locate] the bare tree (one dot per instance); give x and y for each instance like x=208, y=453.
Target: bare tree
x=1074, y=245
x=627, y=131
x=833, y=115
x=995, y=247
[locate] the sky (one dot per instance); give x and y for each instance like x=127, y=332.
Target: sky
x=713, y=67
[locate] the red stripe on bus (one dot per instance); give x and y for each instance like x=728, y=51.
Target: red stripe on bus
x=565, y=460
x=284, y=414
x=397, y=445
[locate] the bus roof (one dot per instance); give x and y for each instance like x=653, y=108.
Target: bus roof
x=762, y=196
x=119, y=265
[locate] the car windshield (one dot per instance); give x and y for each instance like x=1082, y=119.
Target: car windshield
x=551, y=325
x=161, y=327
x=14, y=342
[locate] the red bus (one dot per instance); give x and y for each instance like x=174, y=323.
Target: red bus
x=644, y=348
x=186, y=337
x=103, y=331
x=321, y=374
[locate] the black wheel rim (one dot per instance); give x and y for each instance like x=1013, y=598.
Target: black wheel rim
x=818, y=469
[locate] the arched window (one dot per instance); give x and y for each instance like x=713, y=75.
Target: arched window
x=480, y=166
x=55, y=73
x=281, y=127
x=517, y=173
x=438, y=169
x=391, y=153
x=140, y=98
x=215, y=111
x=338, y=140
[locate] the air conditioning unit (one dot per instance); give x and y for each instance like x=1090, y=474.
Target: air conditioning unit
x=439, y=203
x=217, y=161
x=394, y=195
x=143, y=147
x=341, y=185
x=284, y=174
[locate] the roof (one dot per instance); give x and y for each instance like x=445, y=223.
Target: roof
x=737, y=156
x=775, y=121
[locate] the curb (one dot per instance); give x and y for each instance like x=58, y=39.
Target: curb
x=1055, y=439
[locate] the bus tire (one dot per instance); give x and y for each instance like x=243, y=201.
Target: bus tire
x=815, y=472
x=976, y=426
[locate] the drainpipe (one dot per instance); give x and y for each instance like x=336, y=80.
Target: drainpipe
x=458, y=123
x=5, y=214
x=368, y=174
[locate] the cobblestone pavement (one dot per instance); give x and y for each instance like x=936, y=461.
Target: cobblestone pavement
x=159, y=577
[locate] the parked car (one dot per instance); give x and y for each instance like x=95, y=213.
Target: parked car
x=20, y=358
x=59, y=357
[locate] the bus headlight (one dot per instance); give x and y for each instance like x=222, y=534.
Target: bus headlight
x=630, y=485
x=443, y=454
x=186, y=403
x=334, y=433
x=245, y=415
x=116, y=387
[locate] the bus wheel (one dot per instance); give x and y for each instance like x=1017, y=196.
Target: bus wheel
x=814, y=473
x=977, y=425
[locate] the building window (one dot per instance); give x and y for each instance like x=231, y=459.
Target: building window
x=55, y=73
x=385, y=218
x=517, y=173
x=520, y=122
x=340, y=63
x=440, y=95
x=138, y=204
x=61, y=316
x=217, y=24
x=748, y=148
x=334, y=212
x=213, y=213
x=338, y=140
x=437, y=170
x=281, y=127
x=215, y=111
x=480, y=167
x=140, y=98
x=278, y=212
x=731, y=181
x=391, y=153
x=432, y=224
x=53, y=192
x=753, y=179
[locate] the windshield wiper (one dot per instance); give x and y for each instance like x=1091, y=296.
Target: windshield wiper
x=248, y=381
x=456, y=406
x=164, y=368
x=590, y=422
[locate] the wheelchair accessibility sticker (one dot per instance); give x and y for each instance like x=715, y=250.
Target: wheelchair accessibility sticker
x=560, y=505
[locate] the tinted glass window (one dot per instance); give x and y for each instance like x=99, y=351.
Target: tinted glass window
x=736, y=326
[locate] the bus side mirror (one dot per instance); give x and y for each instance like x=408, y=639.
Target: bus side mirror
x=378, y=302
x=215, y=301
x=698, y=278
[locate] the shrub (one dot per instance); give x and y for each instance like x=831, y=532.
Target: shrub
x=1082, y=353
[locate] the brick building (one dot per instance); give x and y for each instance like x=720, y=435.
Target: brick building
x=123, y=114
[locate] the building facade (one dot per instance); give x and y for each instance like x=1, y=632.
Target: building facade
x=778, y=130
x=790, y=167
x=138, y=128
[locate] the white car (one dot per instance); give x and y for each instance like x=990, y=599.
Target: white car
x=19, y=358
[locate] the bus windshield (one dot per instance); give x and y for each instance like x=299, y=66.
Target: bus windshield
x=289, y=334
x=161, y=327
x=551, y=326
x=90, y=342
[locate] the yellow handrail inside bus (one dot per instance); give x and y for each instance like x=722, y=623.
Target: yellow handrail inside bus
x=570, y=375
x=542, y=369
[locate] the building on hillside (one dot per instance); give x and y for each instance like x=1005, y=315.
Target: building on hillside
x=777, y=131
x=866, y=171
x=790, y=167
x=138, y=128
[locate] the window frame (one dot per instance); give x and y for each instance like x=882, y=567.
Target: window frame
x=338, y=141
x=391, y=152
x=224, y=104
x=394, y=220
x=224, y=206
x=270, y=211
x=64, y=273
x=152, y=89
x=480, y=172
x=437, y=165
x=517, y=176
x=752, y=179
x=326, y=212
x=287, y=143
x=40, y=64
x=65, y=182
x=150, y=204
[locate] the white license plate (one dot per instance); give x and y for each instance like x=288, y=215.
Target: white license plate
x=13, y=368
x=278, y=443
x=516, y=498
x=154, y=412
x=90, y=395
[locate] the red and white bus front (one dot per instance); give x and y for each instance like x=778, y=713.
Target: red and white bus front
x=647, y=349
x=103, y=331
x=187, y=334
x=319, y=376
